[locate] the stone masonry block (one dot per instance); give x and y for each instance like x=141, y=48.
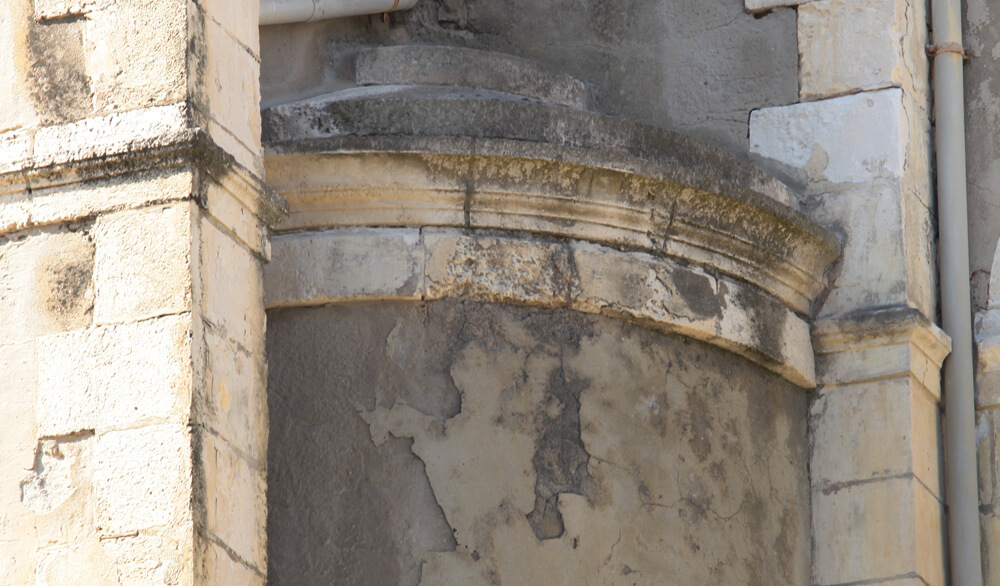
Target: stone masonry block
x=852, y=138
x=847, y=45
x=235, y=506
x=229, y=93
x=324, y=266
x=113, y=377
x=218, y=567
x=239, y=19
x=47, y=277
x=55, y=204
x=16, y=107
x=143, y=558
x=875, y=530
x=143, y=264
x=989, y=527
x=892, y=428
x=17, y=434
x=496, y=269
x=135, y=54
x=873, y=268
x=230, y=286
x=143, y=479
x=232, y=400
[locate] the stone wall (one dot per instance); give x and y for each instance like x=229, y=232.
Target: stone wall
x=456, y=442
x=133, y=230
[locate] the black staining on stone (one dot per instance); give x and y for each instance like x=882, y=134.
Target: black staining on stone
x=60, y=86
x=68, y=283
x=560, y=460
x=699, y=293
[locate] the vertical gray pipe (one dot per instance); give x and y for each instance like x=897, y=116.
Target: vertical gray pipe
x=956, y=309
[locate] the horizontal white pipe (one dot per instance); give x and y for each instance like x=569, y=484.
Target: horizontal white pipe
x=287, y=11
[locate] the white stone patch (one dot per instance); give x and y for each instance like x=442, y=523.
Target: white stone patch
x=846, y=139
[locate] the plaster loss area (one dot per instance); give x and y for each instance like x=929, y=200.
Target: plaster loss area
x=456, y=442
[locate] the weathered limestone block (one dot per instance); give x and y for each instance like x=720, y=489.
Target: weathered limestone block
x=852, y=138
x=330, y=265
x=143, y=266
x=125, y=72
x=850, y=45
x=882, y=529
x=230, y=286
x=891, y=427
x=888, y=250
x=875, y=448
x=231, y=399
x=988, y=448
x=142, y=480
x=235, y=508
x=101, y=378
x=48, y=281
x=228, y=95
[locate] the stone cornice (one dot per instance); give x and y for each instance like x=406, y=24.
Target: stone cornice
x=418, y=156
x=152, y=140
x=880, y=343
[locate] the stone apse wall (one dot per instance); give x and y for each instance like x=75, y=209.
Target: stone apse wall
x=523, y=324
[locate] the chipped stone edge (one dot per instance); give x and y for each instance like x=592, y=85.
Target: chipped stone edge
x=779, y=345
x=883, y=343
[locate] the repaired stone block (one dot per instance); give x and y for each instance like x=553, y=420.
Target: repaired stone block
x=114, y=376
x=143, y=264
x=852, y=138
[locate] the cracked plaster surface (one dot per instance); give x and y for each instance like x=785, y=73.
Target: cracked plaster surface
x=466, y=443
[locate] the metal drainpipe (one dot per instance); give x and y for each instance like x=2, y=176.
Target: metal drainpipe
x=288, y=11
x=961, y=478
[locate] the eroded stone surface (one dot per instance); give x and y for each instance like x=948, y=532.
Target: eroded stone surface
x=467, y=443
